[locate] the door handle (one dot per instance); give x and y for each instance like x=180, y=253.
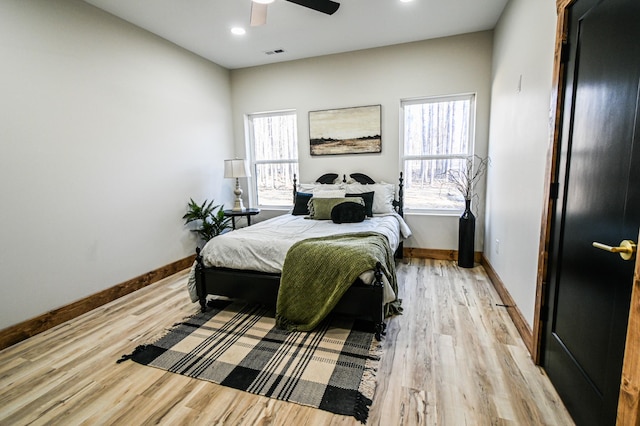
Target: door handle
x=626, y=249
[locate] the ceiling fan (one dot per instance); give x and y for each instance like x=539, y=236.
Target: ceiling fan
x=259, y=8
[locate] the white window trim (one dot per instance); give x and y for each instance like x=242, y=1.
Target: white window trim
x=250, y=149
x=472, y=140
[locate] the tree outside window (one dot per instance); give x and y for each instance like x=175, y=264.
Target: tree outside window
x=437, y=138
x=273, y=138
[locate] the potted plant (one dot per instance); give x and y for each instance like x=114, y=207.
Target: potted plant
x=212, y=219
x=465, y=181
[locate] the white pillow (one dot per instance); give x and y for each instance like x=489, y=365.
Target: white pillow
x=316, y=187
x=382, y=197
x=336, y=193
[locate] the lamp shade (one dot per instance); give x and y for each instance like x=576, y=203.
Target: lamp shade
x=236, y=168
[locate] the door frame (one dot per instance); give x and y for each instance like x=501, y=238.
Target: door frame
x=629, y=400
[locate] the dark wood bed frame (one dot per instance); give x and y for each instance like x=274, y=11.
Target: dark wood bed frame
x=361, y=300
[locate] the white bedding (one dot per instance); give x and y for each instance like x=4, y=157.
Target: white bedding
x=263, y=246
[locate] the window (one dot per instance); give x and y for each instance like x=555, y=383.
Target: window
x=273, y=138
x=437, y=137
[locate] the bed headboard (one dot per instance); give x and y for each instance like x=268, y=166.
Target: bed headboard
x=362, y=178
x=329, y=178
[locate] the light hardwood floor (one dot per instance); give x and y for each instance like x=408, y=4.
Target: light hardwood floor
x=452, y=358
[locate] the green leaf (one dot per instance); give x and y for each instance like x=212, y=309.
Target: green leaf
x=212, y=218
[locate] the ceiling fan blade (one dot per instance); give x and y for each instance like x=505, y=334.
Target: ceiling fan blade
x=325, y=6
x=258, y=14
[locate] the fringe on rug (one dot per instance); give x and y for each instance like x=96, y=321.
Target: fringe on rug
x=156, y=338
x=367, y=388
x=135, y=352
x=361, y=410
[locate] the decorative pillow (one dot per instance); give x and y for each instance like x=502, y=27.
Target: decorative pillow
x=348, y=213
x=320, y=208
x=338, y=193
x=382, y=199
x=300, y=206
x=368, y=201
x=315, y=187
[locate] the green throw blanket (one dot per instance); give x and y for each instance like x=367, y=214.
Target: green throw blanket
x=318, y=271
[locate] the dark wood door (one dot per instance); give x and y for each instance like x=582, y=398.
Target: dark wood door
x=598, y=201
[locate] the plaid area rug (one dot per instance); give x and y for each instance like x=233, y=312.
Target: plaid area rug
x=237, y=345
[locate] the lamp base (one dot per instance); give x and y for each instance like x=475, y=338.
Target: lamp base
x=238, y=206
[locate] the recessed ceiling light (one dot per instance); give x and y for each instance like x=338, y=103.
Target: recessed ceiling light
x=263, y=1
x=238, y=31
x=403, y=1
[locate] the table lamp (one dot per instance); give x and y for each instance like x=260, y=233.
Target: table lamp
x=236, y=168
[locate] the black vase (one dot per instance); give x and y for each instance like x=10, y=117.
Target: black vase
x=466, y=237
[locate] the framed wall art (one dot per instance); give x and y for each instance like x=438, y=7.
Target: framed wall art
x=345, y=131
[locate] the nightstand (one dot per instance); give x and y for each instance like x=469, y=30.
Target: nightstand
x=238, y=213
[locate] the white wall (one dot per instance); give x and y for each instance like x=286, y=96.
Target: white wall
x=519, y=139
x=384, y=76
x=106, y=131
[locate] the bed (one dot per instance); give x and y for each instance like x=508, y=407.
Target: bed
x=248, y=263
